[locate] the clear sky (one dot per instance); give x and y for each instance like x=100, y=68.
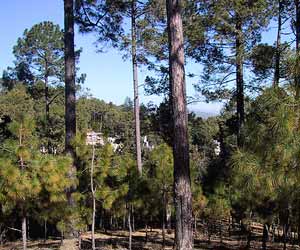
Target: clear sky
x=109, y=77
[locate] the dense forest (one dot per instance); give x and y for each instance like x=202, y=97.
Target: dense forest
x=79, y=173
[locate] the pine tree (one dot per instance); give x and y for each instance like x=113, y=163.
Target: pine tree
x=29, y=180
x=263, y=172
x=41, y=50
x=70, y=92
x=161, y=161
x=182, y=181
x=233, y=28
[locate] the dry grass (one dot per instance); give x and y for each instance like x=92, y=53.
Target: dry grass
x=118, y=240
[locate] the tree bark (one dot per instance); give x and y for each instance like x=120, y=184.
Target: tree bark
x=239, y=81
x=47, y=108
x=70, y=87
x=168, y=216
x=45, y=230
x=24, y=233
x=133, y=219
x=278, y=49
x=146, y=236
x=163, y=220
x=70, y=99
x=124, y=222
x=265, y=237
x=182, y=181
x=297, y=5
x=195, y=224
x=93, y=191
x=297, y=77
x=129, y=228
x=249, y=238
x=136, y=88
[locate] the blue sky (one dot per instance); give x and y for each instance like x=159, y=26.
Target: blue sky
x=109, y=77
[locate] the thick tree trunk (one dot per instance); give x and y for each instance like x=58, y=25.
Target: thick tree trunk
x=239, y=81
x=182, y=181
x=136, y=89
x=70, y=87
x=70, y=99
x=278, y=48
x=24, y=233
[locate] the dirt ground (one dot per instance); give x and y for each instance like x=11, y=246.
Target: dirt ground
x=119, y=240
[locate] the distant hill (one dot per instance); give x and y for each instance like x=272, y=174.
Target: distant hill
x=204, y=114
x=205, y=110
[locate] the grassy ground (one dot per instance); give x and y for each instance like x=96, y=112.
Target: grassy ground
x=119, y=240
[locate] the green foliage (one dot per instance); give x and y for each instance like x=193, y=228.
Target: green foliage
x=265, y=170
x=218, y=206
x=42, y=49
x=219, y=52
x=28, y=179
x=161, y=160
x=16, y=104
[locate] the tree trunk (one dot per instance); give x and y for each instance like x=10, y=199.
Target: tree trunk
x=297, y=76
x=124, y=222
x=133, y=220
x=101, y=219
x=297, y=4
x=93, y=191
x=45, y=230
x=28, y=228
x=168, y=217
x=182, y=181
x=110, y=222
x=24, y=233
x=70, y=87
x=130, y=229
x=163, y=220
x=239, y=81
x=70, y=99
x=249, y=238
x=285, y=231
x=146, y=236
x=265, y=237
x=195, y=224
x=278, y=48
x=62, y=237
x=221, y=232
x=136, y=88
x=47, y=110
x=298, y=231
